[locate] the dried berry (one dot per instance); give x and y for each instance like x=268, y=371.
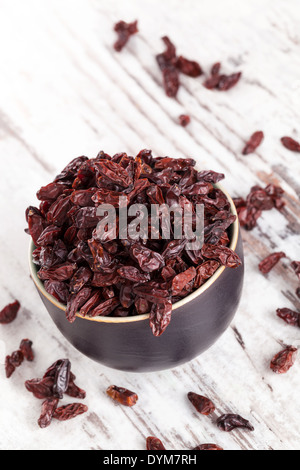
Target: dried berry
x=124, y=31
x=296, y=267
x=202, y=404
x=289, y=316
x=26, y=349
x=66, y=412
x=9, y=313
x=221, y=82
x=184, y=120
x=254, y=142
x=290, y=144
x=188, y=67
x=62, y=378
x=267, y=264
x=153, y=443
x=228, y=422
x=122, y=395
x=208, y=447
x=48, y=408
x=284, y=360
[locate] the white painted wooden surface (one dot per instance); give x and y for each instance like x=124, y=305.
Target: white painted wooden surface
x=64, y=92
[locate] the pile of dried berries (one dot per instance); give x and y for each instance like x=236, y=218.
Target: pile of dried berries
x=125, y=276
x=124, y=31
x=171, y=65
x=57, y=381
x=258, y=200
x=219, y=81
x=9, y=312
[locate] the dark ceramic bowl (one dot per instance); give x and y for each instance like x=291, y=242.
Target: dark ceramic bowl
x=128, y=343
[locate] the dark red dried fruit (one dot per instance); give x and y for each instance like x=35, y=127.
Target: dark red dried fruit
x=296, y=267
x=284, y=360
x=153, y=443
x=124, y=31
x=208, y=447
x=254, y=142
x=188, y=67
x=267, y=264
x=40, y=388
x=48, y=408
x=122, y=395
x=26, y=349
x=228, y=422
x=289, y=316
x=9, y=313
x=202, y=404
x=290, y=144
x=221, y=82
x=64, y=413
x=61, y=378
x=96, y=274
x=184, y=120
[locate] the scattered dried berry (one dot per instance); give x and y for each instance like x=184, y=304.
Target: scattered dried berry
x=290, y=144
x=284, y=360
x=9, y=313
x=66, y=412
x=122, y=395
x=202, y=404
x=254, y=142
x=119, y=275
x=188, y=67
x=48, y=408
x=124, y=31
x=228, y=422
x=184, y=120
x=221, y=82
x=208, y=447
x=267, y=264
x=289, y=316
x=258, y=200
x=153, y=443
x=26, y=348
x=296, y=267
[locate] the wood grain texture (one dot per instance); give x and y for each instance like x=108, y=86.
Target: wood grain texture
x=65, y=92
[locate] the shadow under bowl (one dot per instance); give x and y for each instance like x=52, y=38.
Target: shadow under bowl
x=128, y=343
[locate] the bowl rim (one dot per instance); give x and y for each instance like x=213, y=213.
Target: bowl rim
x=175, y=306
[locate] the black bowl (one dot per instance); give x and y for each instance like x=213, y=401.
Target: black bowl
x=128, y=343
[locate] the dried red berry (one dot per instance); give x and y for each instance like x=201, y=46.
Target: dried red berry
x=64, y=413
x=202, y=404
x=48, y=408
x=153, y=443
x=228, y=422
x=124, y=31
x=26, y=348
x=296, y=267
x=188, y=67
x=228, y=81
x=284, y=360
x=267, y=264
x=9, y=313
x=122, y=395
x=254, y=142
x=289, y=316
x=290, y=144
x=208, y=447
x=184, y=120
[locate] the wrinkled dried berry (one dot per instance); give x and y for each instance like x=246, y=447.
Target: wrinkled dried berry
x=9, y=313
x=124, y=31
x=48, y=408
x=228, y=422
x=289, y=316
x=267, y=264
x=290, y=144
x=184, y=120
x=153, y=443
x=122, y=395
x=254, y=142
x=26, y=349
x=202, y=404
x=66, y=412
x=284, y=360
